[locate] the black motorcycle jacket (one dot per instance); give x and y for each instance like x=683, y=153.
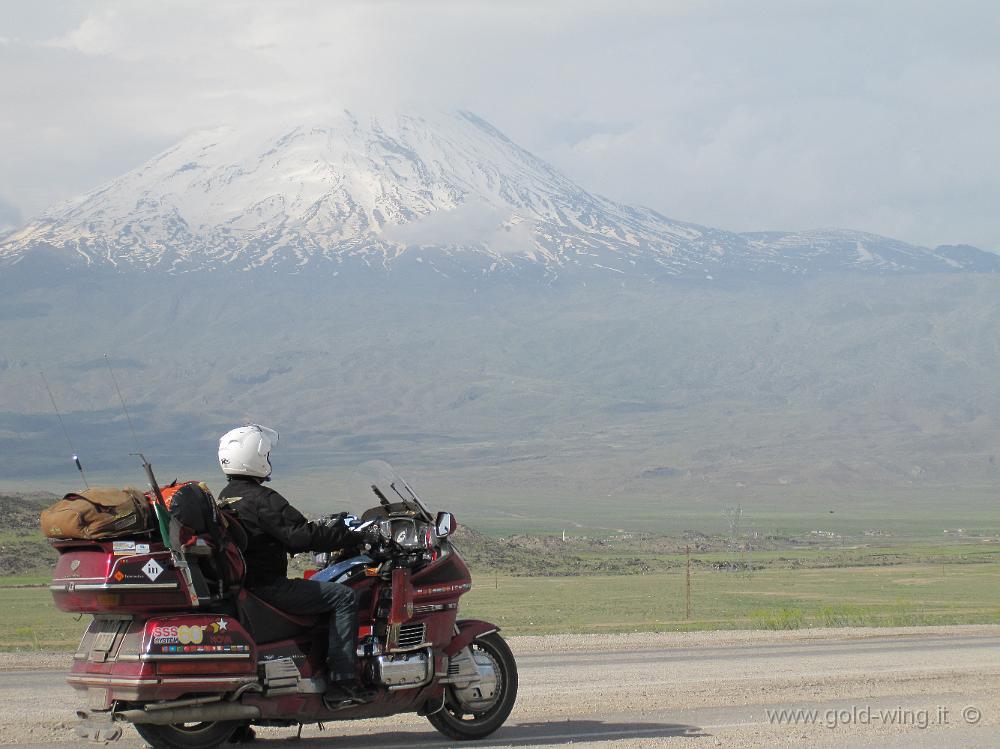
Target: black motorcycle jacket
x=275, y=529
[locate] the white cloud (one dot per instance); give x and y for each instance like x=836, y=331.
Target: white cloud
x=10, y=215
x=775, y=114
x=468, y=224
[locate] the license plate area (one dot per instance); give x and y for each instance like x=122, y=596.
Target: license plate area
x=104, y=639
x=97, y=698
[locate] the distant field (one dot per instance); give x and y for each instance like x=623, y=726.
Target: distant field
x=770, y=599
x=500, y=504
x=785, y=570
x=912, y=513
x=951, y=585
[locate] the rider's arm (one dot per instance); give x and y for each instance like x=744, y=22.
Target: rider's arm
x=294, y=532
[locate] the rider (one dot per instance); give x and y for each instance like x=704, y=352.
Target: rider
x=276, y=529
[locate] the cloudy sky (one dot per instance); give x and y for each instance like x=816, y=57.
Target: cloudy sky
x=766, y=114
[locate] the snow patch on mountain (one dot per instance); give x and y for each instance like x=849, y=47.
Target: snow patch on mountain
x=445, y=188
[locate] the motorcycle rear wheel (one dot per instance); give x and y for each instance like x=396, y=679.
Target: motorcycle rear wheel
x=189, y=735
x=457, y=724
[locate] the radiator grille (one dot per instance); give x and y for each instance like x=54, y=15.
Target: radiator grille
x=412, y=635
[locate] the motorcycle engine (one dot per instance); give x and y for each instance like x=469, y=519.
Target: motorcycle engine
x=400, y=670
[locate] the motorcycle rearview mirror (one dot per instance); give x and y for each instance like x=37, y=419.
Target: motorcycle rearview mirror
x=445, y=524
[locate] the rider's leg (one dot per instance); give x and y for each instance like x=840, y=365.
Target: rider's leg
x=307, y=597
x=343, y=643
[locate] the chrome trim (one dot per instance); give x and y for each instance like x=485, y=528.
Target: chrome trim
x=109, y=681
x=386, y=663
x=195, y=679
x=191, y=656
x=441, y=589
x=219, y=680
x=483, y=692
x=408, y=648
x=72, y=587
x=427, y=608
x=411, y=637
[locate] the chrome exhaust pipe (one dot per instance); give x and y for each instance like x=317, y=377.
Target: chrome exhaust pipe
x=191, y=714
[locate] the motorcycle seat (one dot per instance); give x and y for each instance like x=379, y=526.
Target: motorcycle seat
x=266, y=623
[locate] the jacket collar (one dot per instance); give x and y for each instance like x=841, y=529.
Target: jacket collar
x=242, y=477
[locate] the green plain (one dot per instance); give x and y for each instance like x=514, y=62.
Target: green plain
x=920, y=585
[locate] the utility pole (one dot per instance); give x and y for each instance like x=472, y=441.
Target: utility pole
x=735, y=517
x=687, y=583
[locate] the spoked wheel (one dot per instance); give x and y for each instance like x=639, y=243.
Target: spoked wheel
x=189, y=735
x=476, y=712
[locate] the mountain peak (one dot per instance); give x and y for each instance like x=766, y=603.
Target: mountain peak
x=447, y=189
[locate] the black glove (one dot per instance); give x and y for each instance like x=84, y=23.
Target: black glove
x=367, y=531
x=332, y=520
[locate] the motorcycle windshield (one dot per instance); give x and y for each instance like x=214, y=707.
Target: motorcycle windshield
x=378, y=479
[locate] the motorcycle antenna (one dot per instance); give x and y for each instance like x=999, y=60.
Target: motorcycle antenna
x=76, y=458
x=159, y=505
x=121, y=399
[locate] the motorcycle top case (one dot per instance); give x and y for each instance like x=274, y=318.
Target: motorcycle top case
x=116, y=576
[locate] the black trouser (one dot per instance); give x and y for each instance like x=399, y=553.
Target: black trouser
x=309, y=597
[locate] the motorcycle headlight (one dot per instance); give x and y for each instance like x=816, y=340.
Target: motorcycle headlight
x=404, y=533
x=385, y=529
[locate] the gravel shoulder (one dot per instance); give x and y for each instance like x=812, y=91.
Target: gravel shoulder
x=723, y=638
x=691, y=690
x=632, y=641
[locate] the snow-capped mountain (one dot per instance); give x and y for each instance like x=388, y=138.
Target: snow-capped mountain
x=448, y=191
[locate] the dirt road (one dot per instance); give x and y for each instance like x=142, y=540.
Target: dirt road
x=919, y=687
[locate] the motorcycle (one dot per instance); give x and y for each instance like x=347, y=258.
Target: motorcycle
x=191, y=668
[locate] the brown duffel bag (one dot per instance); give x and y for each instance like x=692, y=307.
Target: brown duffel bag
x=99, y=512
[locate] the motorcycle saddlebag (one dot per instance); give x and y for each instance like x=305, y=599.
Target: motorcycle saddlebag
x=198, y=528
x=99, y=512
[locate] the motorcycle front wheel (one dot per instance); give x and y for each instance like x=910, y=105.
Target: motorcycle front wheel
x=461, y=723
x=206, y=735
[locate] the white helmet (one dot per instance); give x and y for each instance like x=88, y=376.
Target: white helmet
x=246, y=451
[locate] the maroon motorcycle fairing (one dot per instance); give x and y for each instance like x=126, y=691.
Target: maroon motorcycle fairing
x=148, y=645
